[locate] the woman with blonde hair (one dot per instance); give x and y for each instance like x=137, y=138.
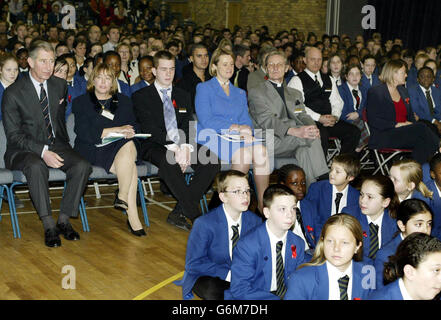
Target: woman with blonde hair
x=335, y=271
x=128, y=73
x=99, y=112
x=391, y=119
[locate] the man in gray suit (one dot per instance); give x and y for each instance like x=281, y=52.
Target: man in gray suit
x=258, y=76
x=275, y=106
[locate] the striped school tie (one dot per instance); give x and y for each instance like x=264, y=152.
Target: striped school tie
x=280, y=271
x=343, y=286
x=235, y=236
x=373, y=243
x=45, y=108
x=338, y=197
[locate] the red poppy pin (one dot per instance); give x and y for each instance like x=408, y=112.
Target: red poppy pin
x=266, y=77
x=294, y=251
x=69, y=98
x=129, y=76
x=357, y=298
x=174, y=104
x=407, y=100
x=436, y=85
x=364, y=234
x=310, y=229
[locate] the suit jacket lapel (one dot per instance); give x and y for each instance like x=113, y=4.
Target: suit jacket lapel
x=34, y=105
x=278, y=105
x=265, y=244
x=53, y=104
x=323, y=282
x=222, y=226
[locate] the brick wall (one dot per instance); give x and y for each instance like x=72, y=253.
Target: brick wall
x=305, y=15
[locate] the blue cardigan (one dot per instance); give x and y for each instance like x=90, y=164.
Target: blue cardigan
x=208, y=247
x=312, y=283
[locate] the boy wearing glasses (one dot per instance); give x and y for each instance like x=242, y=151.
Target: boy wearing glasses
x=265, y=258
x=213, y=237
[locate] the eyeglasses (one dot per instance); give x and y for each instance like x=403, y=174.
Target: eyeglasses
x=274, y=66
x=240, y=192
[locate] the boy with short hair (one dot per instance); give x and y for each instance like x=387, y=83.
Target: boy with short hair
x=369, y=78
x=263, y=260
x=213, y=237
x=330, y=196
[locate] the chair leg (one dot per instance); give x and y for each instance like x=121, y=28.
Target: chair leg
x=12, y=209
x=150, y=186
x=143, y=205
x=83, y=214
x=2, y=188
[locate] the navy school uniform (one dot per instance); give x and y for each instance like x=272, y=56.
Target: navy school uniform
x=78, y=89
x=251, y=270
x=435, y=205
x=420, y=105
x=388, y=228
x=308, y=212
x=125, y=88
x=383, y=256
x=347, y=97
x=208, y=248
x=320, y=194
x=412, y=77
x=426, y=173
x=390, y=292
x=364, y=82
x=139, y=85
x=312, y=283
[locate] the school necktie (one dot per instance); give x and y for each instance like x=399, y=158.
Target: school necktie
x=373, y=243
x=337, y=201
x=343, y=286
x=235, y=236
x=280, y=271
x=300, y=222
x=370, y=81
x=171, y=124
x=236, y=79
x=357, y=98
x=45, y=108
x=429, y=101
x=316, y=81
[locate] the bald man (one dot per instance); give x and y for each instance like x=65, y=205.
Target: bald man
x=323, y=103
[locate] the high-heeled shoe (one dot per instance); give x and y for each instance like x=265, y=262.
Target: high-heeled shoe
x=138, y=233
x=119, y=204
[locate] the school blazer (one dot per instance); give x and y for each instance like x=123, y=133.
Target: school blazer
x=390, y=292
x=420, y=105
x=312, y=283
x=139, y=85
x=435, y=205
x=208, y=247
x=320, y=194
x=365, y=82
x=308, y=212
x=2, y=89
x=388, y=227
x=125, y=88
x=380, y=110
x=348, y=106
x=382, y=257
x=251, y=270
x=79, y=88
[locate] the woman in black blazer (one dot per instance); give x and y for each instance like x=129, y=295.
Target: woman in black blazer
x=102, y=110
x=391, y=119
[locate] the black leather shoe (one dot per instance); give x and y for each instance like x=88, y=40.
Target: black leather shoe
x=67, y=231
x=178, y=220
x=119, y=204
x=138, y=233
x=51, y=238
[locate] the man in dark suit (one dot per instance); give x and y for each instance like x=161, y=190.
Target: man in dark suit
x=164, y=111
x=33, y=117
x=243, y=58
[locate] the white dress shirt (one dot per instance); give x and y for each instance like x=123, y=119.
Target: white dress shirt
x=298, y=229
x=333, y=275
x=273, y=243
x=335, y=99
x=231, y=223
x=404, y=292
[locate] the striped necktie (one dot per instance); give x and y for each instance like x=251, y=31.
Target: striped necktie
x=343, y=286
x=373, y=243
x=235, y=236
x=429, y=101
x=280, y=271
x=45, y=108
x=357, y=98
x=171, y=124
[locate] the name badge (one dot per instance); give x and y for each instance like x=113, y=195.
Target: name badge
x=182, y=110
x=107, y=114
x=328, y=90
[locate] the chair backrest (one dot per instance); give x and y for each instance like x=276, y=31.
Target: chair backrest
x=70, y=125
x=2, y=145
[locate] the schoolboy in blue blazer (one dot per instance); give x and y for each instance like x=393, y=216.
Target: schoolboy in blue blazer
x=312, y=283
x=324, y=193
x=388, y=228
x=369, y=77
x=253, y=271
x=366, y=83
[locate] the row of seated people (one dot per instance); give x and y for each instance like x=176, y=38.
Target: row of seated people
x=331, y=242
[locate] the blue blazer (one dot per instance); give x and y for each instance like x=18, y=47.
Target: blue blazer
x=125, y=88
x=2, y=89
x=215, y=110
x=349, y=106
x=308, y=212
x=390, y=292
x=435, y=205
x=412, y=77
x=382, y=257
x=79, y=88
x=366, y=83
x=139, y=85
x=312, y=283
x=420, y=105
x=426, y=173
x=381, y=114
x=251, y=270
x=208, y=247
x=320, y=193
x=388, y=228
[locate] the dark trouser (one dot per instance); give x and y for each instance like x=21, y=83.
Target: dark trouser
x=347, y=133
x=188, y=196
x=418, y=137
x=37, y=175
x=210, y=288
